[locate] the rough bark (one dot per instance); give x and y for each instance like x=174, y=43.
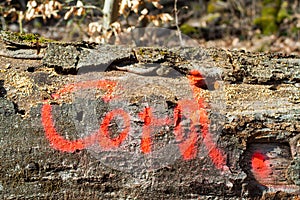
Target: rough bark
x=251, y=100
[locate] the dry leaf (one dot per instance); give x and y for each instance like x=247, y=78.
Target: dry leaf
x=80, y=10
x=155, y=22
x=165, y=17
x=144, y=11
x=69, y=13
x=135, y=5
x=157, y=5
x=141, y=18
x=124, y=7
x=94, y=27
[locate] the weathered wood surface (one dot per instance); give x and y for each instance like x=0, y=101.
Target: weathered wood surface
x=252, y=101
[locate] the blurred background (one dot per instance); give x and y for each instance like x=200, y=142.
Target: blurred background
x=251, y=25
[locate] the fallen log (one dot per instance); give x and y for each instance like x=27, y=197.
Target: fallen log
x=110, y=122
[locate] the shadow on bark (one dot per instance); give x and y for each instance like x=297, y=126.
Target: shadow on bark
x=2, y=89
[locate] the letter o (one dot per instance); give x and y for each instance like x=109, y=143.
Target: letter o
x=105, y=141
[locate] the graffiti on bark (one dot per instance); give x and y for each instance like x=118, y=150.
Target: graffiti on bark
x=187, y=143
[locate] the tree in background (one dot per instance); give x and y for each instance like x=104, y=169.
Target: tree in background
x=99, y=20
x=102, y=23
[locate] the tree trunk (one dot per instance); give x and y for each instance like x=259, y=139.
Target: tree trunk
x=110, y=12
